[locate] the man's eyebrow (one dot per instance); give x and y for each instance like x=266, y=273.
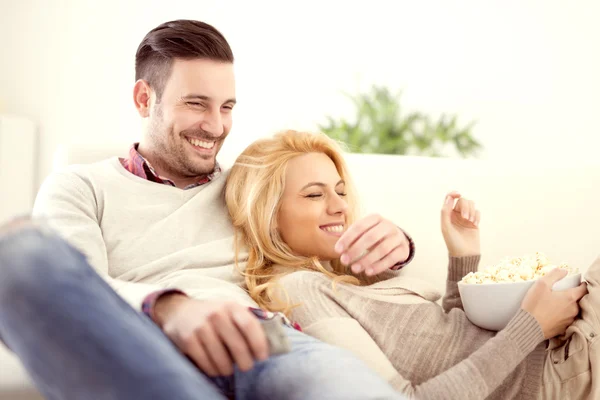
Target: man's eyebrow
x=321, y=184
x=206, y=98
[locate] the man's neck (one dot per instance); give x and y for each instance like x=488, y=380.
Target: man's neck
x=182, y=183
x=165, y=172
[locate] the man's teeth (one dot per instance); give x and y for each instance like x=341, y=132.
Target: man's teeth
x=201, y=143
x=334, y=228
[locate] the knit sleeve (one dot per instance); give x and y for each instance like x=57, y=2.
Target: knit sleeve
x=411, y=253
x=68, y=204
x=457, y=268
x=483, y=371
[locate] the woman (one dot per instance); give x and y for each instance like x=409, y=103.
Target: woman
x=290, y=198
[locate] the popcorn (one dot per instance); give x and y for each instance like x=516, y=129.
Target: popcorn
x=519, y=269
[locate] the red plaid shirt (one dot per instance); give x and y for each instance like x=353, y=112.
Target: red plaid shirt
x=137, y=165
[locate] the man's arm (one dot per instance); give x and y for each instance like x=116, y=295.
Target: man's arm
x=214, y=334
x=68, y=205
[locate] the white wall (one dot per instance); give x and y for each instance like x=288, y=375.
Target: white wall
x=526, y=70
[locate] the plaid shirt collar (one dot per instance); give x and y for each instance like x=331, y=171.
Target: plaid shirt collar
x=137, y=165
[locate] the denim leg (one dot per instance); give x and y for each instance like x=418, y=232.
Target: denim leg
x=312, y=370
x=76, y=337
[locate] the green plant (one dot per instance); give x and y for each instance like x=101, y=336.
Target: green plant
x=380, y=126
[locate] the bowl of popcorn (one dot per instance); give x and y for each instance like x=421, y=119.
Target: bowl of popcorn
x=492, y=297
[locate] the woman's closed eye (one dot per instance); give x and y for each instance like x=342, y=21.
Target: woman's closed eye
x=317, y=195
x=314, y=195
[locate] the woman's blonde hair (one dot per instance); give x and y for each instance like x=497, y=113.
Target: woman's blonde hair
x=253, y=194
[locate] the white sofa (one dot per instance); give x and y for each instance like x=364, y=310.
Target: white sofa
x=528, y=206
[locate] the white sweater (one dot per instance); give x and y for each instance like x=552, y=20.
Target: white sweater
x=144, y=236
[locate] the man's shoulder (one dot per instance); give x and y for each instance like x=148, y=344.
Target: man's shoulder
x=80, y=176
x=86, y=171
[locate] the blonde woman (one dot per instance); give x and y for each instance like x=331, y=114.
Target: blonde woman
x=290, y=198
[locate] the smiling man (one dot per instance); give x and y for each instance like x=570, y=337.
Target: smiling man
x=138, y=297
x=181, y=148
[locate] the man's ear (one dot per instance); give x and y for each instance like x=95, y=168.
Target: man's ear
x=142, y=95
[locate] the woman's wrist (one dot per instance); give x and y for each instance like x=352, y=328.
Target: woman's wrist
x=458, y=267
x=463, y=255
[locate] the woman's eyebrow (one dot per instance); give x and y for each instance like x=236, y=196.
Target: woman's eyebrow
x=321, y=184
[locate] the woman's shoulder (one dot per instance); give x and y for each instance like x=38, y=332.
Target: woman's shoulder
x=291, y=276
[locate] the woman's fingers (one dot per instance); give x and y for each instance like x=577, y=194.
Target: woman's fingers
x=477, y=217
x=449, y=203
x=465, y=208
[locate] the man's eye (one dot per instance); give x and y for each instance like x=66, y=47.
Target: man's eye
x=313, y=195
x=193, y=103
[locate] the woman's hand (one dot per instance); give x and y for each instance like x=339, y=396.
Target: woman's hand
x=554, y=311
x=383, y=242
x=460, y=226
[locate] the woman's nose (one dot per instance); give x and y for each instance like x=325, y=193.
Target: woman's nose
x=337, y=205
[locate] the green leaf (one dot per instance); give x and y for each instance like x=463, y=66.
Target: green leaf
x=380, y=127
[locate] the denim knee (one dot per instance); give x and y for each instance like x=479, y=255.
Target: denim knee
x=31, y=258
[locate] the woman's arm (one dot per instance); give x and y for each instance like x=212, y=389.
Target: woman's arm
x=544, y=314
x=460, y=228
x=483, y=371
x=457, y=268
x=321, y=307
x=474, y=378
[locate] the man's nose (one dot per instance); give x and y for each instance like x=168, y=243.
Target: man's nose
x=212, y=123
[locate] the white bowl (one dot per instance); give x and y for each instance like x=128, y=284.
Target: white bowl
x=492, y=305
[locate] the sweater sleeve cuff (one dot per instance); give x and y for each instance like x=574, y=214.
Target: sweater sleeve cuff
x=411, y=253
x=524, y=331
x=150, y=301
x=458, y=267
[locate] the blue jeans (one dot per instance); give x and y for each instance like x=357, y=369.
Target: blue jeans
x=79, y=340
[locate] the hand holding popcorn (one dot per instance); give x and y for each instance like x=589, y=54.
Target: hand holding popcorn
x=554, y=311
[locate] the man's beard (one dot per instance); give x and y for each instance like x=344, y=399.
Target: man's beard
x=170, y=153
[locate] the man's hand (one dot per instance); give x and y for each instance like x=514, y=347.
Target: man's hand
x=213, y=334
x=373, y=244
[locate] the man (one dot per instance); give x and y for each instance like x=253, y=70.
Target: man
x=155, y=227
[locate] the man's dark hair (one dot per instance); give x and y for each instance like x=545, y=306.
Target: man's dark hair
x=184, y=39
